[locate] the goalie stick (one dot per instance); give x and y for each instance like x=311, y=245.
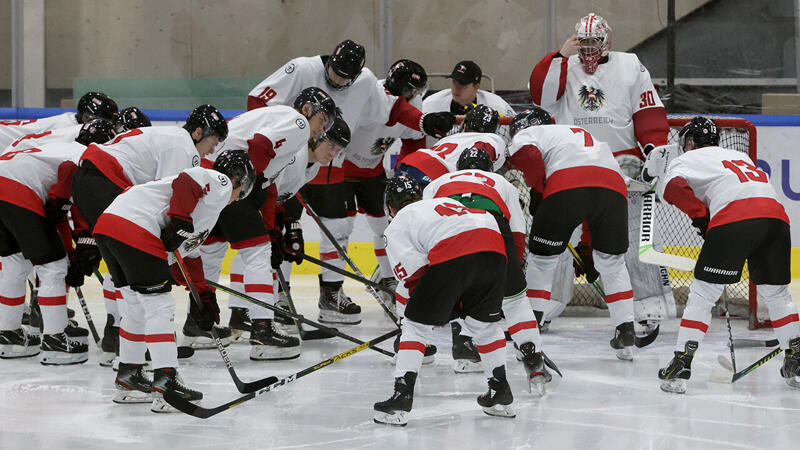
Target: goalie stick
x=647, y=253
x=240, y=385
x=306, y=335
x=187, y=407
x=298, y=317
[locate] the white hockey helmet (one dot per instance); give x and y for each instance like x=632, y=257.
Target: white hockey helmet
x=594, y=35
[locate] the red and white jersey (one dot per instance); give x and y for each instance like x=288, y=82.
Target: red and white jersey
x=364, y=155
x=617, y=103
x=66, y=134
x=430, y=232
x=490, y=185
x=144, y=154
x=441, y=101
x=27, y=175
x=554, y=158
x=272, y=136
x=451, y=147
x=296, y=174
x=11, y=130
x=428, y=162
x=723, y=185
x=137, y=216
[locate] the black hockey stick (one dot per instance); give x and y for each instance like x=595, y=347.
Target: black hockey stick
x=728, y=322
x=639, y=342
x=343, y=254
x=240, y=385
x=306, y=335
x=333, y=268
x=298, y=317
x=741, y=343
x=198, y=411
x=87, y=315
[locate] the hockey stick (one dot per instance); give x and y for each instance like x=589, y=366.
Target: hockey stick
x=298, y=317
x=333, y=268
x=198, y=411
x=639, y=342
x=306, y=335
x=742, y=343
x=724, y=362
x=87, y=315
x=240, y=385
x=647, y=253
x=343, y=254
x=728, y=322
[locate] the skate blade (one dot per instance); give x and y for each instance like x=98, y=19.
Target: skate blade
x=677, y=386
x=49, y=358
x=107, y=359
x=467, y=366
x=397, y=418
x=793, y=382
x=268, y=353
x=624, y=354
x=130, y=397
x=159, y=406
x=500, y=411
x=202, y=342
x=338, y=318
x=18, y=351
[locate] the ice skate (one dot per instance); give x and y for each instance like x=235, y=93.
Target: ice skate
x=110, y=343
x=498, y=399
x=536, y=369
x=335, y=307
x=679, y=370
x=167, y=379
x=18, y=344
x=59, y=349
x=132, y=385
x=465, y=354
x=791, y=364
x=239, y=324
x=428, y=358
x=394, y=411
x=624, y=338
x=197, y=338
x=268, y=344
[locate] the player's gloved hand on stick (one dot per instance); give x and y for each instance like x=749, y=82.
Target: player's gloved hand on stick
x=55, y=209
x=277, y=253
x=585, y=252
x=437, y=124
x=87, y=254
x=701, y=223
x=293, y=244
x=207, y=315
x=75, y=275
x=176, y=231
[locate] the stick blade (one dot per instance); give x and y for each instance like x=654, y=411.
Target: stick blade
x=246, y=388
x=650, y=256
x=313, y=335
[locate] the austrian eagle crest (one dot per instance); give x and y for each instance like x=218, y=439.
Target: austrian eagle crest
x=590, y=98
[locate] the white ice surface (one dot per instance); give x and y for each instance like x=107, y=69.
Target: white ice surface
x=601, y=403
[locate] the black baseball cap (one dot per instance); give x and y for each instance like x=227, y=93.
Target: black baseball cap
x=466, y=72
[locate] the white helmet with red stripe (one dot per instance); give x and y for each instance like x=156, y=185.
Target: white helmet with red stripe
x=594, y=35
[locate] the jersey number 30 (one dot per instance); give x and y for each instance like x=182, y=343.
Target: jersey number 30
x=750, y=172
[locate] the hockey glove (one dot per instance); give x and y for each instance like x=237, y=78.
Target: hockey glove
x=55, y=209
x=208, y=315
x=75, y=275
x=276, y=256
x=701, y=223
x=585, y=252
x=87, y=254
x=293, y=243
x=176, y=231
x=437, y=124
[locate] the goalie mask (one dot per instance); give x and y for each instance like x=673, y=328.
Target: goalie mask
x=700, y=132
x=400, y=191
x=594, y=36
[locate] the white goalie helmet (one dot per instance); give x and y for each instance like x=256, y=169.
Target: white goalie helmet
x=594, y=35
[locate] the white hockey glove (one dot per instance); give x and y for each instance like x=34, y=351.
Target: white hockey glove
x=658, y=160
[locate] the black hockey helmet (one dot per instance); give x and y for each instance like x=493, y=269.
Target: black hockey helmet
x=237, y=166
x=347, y=60
x=406, y=79
x=320, y=101
x=339, y=132
x=130, y=118
x=700, y=131
x=530, y=117
x=400, y=191
x=210, y=120
x=474, y=158
x=96, y=105
x=482, y=119
x=95, y=131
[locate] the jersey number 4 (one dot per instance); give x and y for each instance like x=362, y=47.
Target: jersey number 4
x=750, y=172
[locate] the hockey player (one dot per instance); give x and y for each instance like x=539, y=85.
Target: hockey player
x=92, y=105
x=610, y=95
x=735, y=209
x=274, y=137
x=364, y=103
x=130, y=118
x=138, y=156
x=475, y=186
x=35, y=191
x=135, y=235
x=574, y=178
x=452, y=260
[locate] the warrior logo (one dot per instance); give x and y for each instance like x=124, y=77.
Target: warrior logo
x=590, y=98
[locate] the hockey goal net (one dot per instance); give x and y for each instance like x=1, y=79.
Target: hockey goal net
x=674, y=231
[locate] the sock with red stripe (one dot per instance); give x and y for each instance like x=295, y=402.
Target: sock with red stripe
x=53, y=295
x=259, y=279
x=340, y=229
x=413, y=339
x=617, y=286
x=12, y=290
x=490, y=341
x=131, y=330
x=521, y=321
x=539, y=276
x=378, y=226
x=237, y=282
x=697, y=315
x=159, y=330
x=112, y=296
x=782, y=312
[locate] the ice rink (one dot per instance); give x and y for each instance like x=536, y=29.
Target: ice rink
x=600, y=403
